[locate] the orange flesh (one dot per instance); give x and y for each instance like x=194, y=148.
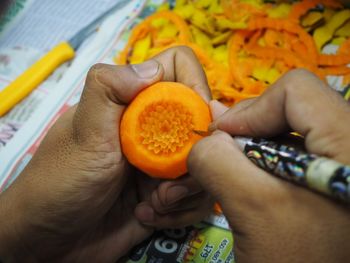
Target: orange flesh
x=166, y=127
x=157, y=128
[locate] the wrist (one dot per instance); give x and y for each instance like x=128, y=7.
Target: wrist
x=12, y=245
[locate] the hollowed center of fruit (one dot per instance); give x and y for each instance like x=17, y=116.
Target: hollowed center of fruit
x=165, y=126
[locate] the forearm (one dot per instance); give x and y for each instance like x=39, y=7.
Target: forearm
x=12, y=245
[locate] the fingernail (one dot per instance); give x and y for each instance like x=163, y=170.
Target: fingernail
x=176, y=193
x=216, y=103
x=217, y=108
x=147, y=69
x=145, y=214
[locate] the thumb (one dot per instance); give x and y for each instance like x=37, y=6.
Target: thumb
x=107, y=90
x=82, y=150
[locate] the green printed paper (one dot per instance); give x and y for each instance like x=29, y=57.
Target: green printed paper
x=201, y=243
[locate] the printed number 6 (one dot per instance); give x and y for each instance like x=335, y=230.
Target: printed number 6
x=165, y=245
x=175, y=233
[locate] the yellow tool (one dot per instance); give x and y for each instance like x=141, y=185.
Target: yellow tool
x=40, y=70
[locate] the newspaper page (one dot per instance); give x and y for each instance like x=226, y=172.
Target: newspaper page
x=210, y=241
x=199, y=243
x=66, y=92
x=28, y=30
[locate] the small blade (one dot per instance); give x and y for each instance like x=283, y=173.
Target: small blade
x=86, y=31
x=202, y=133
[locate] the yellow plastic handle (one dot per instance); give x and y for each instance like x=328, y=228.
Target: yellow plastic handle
x=33, y=76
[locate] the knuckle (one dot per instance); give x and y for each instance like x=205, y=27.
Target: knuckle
x=108, y=79
x=121, y=90
x=297, y=79
x=120, y=77
x=96, y=74
x=95, y=69
x=299, y=72
x=183, y=49
x=187, y=51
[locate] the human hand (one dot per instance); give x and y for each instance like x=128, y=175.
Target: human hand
x=78, y=200
x=273, y=220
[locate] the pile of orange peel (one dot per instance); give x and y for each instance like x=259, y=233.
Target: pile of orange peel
x=246, y=45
